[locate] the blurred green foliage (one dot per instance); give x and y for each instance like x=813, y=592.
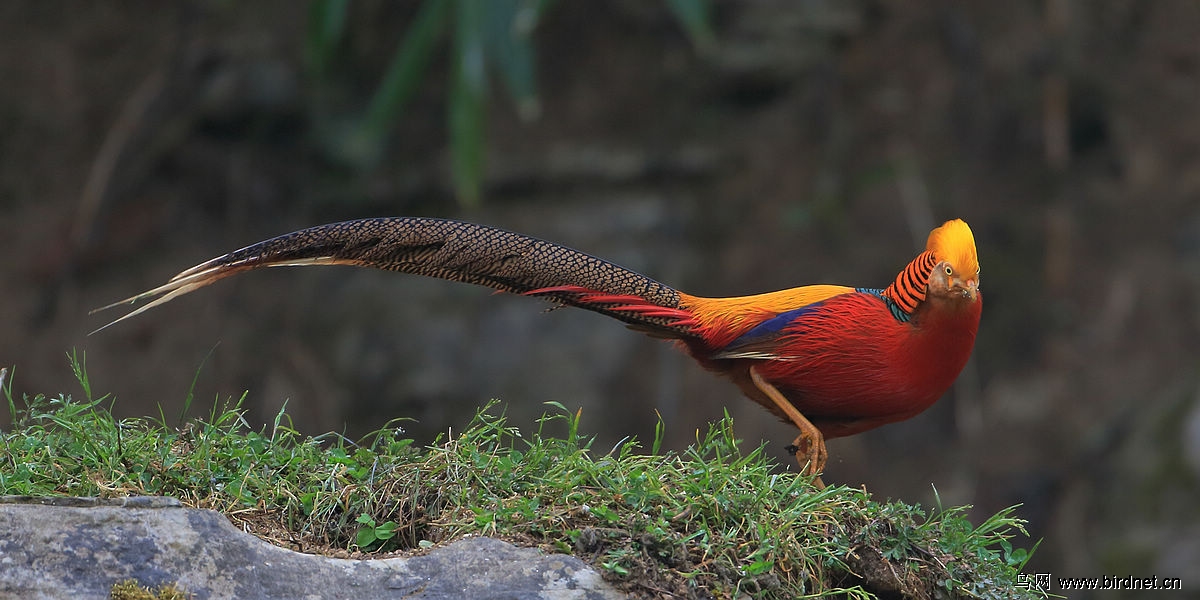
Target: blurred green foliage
x=486, y=36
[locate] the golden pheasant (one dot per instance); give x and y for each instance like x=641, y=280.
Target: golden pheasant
x=832, y=360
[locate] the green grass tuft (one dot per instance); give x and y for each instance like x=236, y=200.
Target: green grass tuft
x=711, y=521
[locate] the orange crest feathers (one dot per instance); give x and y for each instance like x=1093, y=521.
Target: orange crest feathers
x=954, y=243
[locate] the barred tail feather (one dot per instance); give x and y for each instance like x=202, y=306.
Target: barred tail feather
x=455, y=251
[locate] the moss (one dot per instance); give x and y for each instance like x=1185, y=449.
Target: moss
x=131, y=590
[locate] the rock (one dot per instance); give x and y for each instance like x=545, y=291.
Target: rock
x=80, y=547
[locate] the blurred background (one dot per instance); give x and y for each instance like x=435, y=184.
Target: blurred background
x=725, y=148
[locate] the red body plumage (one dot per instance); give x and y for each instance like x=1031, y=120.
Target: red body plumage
x=849, y=365
x=847, y=359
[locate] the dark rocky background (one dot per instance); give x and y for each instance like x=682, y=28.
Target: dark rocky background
x=813, y=142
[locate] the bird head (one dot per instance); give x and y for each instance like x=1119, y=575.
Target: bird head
x=955, y=275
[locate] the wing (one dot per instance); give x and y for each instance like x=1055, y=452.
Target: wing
x=766, y=340
x=839, y=320
x=723, y=321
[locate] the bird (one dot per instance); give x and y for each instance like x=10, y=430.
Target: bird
x=832, y=360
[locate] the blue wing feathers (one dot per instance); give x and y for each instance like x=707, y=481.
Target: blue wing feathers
x=772, y=327
x=775, y=324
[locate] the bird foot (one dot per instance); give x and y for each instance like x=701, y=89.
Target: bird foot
x=809, y=446
x=811, y=456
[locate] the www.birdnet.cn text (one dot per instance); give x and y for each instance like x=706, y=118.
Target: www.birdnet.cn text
x=1043, y=581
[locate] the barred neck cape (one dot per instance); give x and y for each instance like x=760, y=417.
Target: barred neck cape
x=908, y=290
x=831, y=359
x=952, y=242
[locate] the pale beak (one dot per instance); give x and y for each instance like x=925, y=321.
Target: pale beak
x=971, y=289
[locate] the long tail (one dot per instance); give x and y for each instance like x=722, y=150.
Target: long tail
x=456, y=251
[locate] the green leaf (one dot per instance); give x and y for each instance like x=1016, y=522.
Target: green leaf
x=759, y=567
x=694, y=16
x=484, y=518
x=509, y=27
x=468, y=99
x=615, y=567
x=660, y=430
x=326, y=24
x=79, y=368
x=605, y=513
x=403, y=74
x=385, y=531
x=365, y=537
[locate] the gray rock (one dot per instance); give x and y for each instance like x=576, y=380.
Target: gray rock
x=80, y=547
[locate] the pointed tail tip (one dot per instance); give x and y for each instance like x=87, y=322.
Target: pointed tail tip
x=129, y=301
x=203, y=274
x=159, y=295
x=113, y=305
x=103, y=327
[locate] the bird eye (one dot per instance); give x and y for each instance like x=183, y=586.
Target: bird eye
x=949, y=270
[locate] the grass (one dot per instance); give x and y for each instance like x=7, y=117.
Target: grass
x=710, y=521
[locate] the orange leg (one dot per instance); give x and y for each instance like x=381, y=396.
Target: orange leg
x=810, y=444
